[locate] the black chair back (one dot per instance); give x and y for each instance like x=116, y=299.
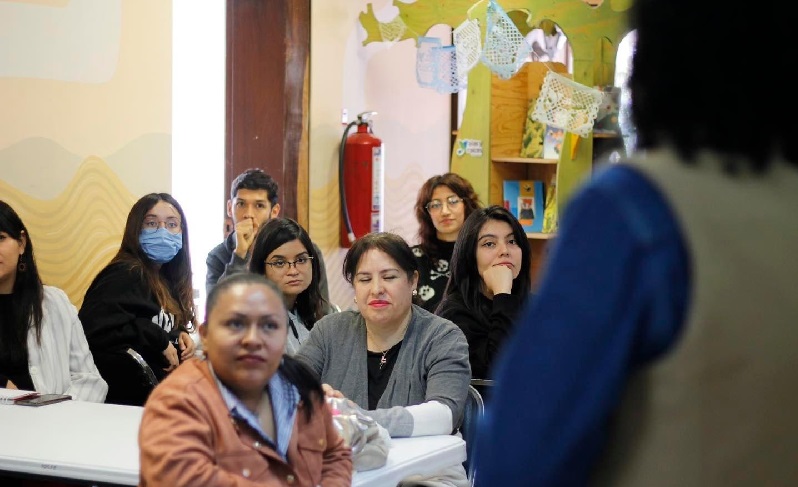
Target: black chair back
x=130, y=379
x=474, y=410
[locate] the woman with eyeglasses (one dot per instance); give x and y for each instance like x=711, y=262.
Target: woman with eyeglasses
x=142, y=300
x=283, y=253
x=490, y=281
x=443, y=204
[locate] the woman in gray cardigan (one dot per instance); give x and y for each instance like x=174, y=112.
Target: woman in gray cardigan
x=405, y=367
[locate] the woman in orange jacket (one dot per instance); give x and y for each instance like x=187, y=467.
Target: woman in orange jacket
x=246, y=414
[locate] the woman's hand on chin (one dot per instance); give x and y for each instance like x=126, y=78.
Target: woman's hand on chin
x=498, y=279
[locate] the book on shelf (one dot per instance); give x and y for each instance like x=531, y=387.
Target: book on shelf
x=532, y=140
x=550, y=209
x=552, y=142
x=526, y=199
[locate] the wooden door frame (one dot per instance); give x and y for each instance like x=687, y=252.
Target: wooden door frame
x=266, y=123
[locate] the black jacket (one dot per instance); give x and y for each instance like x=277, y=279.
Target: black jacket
x=120, y=312
x=484, y=338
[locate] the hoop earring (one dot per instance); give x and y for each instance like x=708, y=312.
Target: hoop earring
x=22, y=267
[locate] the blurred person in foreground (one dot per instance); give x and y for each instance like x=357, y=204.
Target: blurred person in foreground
x=246, y=414
x=662, y=347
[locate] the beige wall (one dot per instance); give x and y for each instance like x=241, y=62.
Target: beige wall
x=413, y=122
x=85, y=128
x=86, y=91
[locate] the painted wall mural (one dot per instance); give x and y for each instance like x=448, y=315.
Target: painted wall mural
x=85, y=129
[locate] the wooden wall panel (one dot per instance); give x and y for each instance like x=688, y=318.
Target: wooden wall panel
x=267, y=52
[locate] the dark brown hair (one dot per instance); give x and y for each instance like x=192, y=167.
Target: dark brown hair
x=427, y=235
x=171, y=283
x=391, y=244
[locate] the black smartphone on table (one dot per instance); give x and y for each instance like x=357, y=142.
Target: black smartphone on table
x=43, y=399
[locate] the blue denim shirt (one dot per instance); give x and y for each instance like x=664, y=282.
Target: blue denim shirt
x=285, y=399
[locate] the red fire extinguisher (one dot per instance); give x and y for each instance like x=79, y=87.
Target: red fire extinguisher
x=360, y=181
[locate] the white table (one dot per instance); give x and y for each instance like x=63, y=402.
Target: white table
x=99, y=443
x=72, y=439
x=412, y=456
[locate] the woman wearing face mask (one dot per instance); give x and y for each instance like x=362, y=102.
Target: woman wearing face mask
x=490, y=281
x=283, y=253
x=142, y=299
x=443, y=204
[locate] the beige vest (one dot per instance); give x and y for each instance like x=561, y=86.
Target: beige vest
x=721, y=408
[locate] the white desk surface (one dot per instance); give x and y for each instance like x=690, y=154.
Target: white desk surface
x=72, y=439
x=99, y=442
x=411, y=456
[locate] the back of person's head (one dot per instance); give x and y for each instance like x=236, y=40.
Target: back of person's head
x=278, y=231
x=27, y=289
x=427, y=234
x=299, y=375
x=171, y=282
x=465, y=277
x=390, y=244
x=688, y=86
x=255, y=179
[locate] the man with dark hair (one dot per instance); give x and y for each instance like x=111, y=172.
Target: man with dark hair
x=253, y=202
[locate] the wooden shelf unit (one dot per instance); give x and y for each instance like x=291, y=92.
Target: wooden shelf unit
x=524, y=160
x=510, y=101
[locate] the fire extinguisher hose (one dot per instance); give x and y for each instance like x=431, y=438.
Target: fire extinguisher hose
x=341, y=186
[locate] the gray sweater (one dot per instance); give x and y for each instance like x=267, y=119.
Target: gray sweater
x=432, y=366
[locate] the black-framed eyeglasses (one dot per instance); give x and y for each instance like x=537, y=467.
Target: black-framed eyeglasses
x=299, y=263
x=435, y=206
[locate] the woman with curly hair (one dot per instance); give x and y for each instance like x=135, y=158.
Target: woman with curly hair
x=443, y=204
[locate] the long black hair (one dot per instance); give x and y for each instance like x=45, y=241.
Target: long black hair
x=294, y=371
x=465, y=278
x=171, y=282
x=27, y=292
x=309, y=305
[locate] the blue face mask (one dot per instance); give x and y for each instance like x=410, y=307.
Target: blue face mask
x=160, y=245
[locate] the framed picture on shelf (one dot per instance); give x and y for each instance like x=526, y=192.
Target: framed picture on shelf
x=526, y=200
x=552, y=142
